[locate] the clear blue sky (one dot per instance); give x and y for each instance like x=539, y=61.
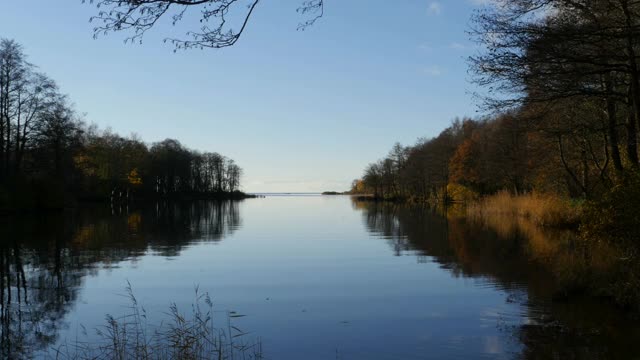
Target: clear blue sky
x=297, y=110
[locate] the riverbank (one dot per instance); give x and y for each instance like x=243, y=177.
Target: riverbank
x=541, y=209
x=34, y=197
x=597, y=252
x=590, y=247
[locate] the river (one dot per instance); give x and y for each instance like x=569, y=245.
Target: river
x=316, y=277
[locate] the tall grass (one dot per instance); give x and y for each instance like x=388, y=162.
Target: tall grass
x=543, y=210
x=581, y=260
x=192, y=336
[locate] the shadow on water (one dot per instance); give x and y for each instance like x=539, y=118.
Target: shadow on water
x=44, y=259
x=520, y=259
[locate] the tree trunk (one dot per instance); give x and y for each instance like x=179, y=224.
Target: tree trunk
x=632, y=136
x=632, y=139
x=612, y=125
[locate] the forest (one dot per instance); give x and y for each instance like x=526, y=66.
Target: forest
x=51, y=158
x=561, y=83
x=559, y=143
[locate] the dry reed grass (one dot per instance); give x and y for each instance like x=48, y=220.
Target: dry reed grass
x=541, y=209
x=189, y=336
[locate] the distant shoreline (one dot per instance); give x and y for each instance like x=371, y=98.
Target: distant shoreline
x=73, y=202
x=333, y=193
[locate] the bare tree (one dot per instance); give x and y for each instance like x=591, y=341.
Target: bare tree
x=547, y=51
x=57, y=133
x=13, y=79
x=26, y=97
x=39, y=96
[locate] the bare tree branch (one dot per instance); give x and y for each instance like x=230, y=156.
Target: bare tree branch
x=222, y=22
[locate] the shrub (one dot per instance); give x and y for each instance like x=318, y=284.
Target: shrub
x=613, y=221
x=461, y=193
x=615, y=217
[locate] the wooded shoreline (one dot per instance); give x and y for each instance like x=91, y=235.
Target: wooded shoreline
x=135, y=200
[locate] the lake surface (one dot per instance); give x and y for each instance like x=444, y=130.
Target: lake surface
x=318, y=277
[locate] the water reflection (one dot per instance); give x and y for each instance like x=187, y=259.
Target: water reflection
x=43, y=260
x=310, y=269
x=520, y=259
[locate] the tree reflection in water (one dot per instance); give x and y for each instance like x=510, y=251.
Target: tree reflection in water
x=520, y=259
x=44, y=259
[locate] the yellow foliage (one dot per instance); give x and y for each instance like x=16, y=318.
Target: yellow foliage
x=133, y=222
x=460, y=193
x=83, y=162
x=358, y=187
x=134, y=178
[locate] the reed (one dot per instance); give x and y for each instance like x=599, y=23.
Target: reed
x=580, y=262
x=191, y=336
x=541, y=209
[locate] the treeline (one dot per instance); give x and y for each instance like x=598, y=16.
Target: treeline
x=107, y=162
x=563, y=84
x=475, y=157
x=50, y=158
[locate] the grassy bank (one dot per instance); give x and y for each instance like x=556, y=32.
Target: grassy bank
x=540, y=209
x=592, y=247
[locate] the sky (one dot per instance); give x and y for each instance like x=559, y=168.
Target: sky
x=299, y=111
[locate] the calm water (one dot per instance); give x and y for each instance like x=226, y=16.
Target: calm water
x=318, y=278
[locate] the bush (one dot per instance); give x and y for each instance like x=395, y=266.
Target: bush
x=460, y=193
x=615, y=217
x=613, y=221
